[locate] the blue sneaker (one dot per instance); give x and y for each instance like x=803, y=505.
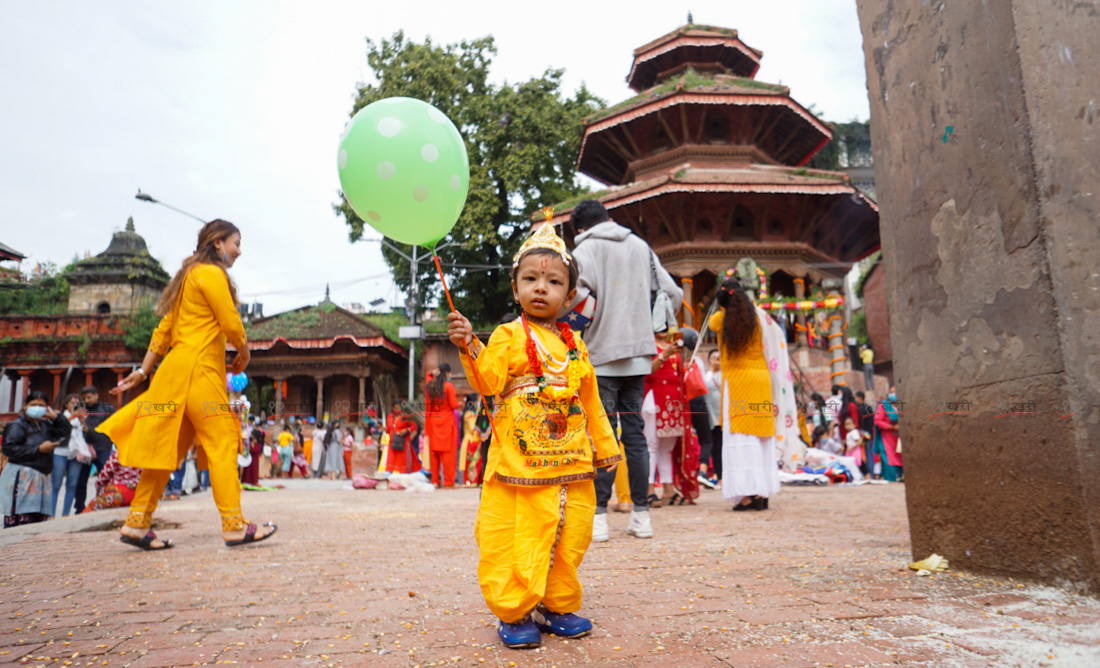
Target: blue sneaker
x=519, y=635
x=567, y=625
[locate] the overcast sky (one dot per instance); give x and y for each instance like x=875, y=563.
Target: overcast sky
x=233, y=110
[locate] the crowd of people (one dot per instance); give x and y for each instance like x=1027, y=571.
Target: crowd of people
x=558, y=421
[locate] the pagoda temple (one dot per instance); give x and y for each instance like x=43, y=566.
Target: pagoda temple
x=707, y=164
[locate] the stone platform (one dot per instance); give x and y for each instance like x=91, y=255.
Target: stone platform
x=378, y=578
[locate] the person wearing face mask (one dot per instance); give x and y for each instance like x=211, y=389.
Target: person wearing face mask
x=187, y=400
x=886, y=437
x=26, y=494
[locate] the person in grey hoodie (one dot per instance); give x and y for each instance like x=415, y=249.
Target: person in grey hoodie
x=622, y=272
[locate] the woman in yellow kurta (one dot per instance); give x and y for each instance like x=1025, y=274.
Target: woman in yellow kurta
x=187, y=400
x=534, y=523
x=750, y=474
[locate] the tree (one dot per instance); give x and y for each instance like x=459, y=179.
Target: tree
x=849, y=147
x=522, y=139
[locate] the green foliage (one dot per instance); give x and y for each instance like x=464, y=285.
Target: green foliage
x=85, y=344
x=850, y=146
x=872, y=261
x=48, y=295
x=138, y=328
x=292, y=324
x=857, y=327
x=691, y=80
x=390, y=324
x=522, y=141
x=326, y=307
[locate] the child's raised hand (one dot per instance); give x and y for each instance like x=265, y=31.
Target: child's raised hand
x=459, y=329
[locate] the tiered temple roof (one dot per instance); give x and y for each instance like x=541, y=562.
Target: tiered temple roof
x=707, y=164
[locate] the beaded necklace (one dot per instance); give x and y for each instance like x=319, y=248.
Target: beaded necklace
x=536, y=351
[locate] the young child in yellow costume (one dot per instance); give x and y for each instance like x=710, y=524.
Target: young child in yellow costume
x=538, y=500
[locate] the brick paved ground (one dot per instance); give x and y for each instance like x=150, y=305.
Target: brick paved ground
x=378, y=578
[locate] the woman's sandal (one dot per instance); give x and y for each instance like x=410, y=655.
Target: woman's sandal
x=146, y=543
x=676, y=500
x=250, y=535
x=746, y=506
x=654, y=501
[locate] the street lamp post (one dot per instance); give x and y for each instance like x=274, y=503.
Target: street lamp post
x=145, y=197
x=414, y=263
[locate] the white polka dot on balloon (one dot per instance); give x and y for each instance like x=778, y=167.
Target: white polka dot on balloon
x=437, y=115
x=420, y=193
x=429, y=152
x=343, y=158
x=389, y=126
x=386, y=171
x=456, y=182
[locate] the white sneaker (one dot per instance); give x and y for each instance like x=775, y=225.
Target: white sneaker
x=600, y=534
x=640, y=526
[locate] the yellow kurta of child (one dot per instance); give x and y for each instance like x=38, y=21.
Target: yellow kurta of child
x=748, y=383
x=187, y=399
x=535, y=519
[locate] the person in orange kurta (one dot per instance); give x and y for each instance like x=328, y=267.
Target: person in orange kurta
x=187, y=400
x=402, y=430
x=440, y=427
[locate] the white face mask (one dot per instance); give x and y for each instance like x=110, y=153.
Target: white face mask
x=36, y=412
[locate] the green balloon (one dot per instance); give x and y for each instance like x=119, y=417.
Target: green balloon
x=404, y=169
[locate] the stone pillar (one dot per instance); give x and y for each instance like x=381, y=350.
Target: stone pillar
x=800, y=338
x=362, y=399
x=320, y=397
x=56, y=373
x=986, y=151
x=688, y=317
x=837, y=355
x=120, y=398
x=278, y=397
x=14, y=390
x=25, y=376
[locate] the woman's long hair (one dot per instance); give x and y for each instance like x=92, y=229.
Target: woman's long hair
x=846, y=399
x=435, y=388
x=739, y=324
x=205, y=253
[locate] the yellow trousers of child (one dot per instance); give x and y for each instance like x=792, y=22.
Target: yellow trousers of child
x=218, y=437
x=532, y=539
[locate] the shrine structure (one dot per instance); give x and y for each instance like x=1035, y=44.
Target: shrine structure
x=62, y=353
x=707, y=164
x=320, y=360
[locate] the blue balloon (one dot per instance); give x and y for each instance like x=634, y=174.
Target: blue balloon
x=238, y=381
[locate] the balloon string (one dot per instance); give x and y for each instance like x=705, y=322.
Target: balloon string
x=466, y=348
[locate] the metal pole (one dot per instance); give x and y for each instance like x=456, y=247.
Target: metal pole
x=412, y=321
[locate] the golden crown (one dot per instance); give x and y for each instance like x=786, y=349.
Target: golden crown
x=544, y=237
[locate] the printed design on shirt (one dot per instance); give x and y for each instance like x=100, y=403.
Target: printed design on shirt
x=541, y=424
x=546, y=462
x=555, y=453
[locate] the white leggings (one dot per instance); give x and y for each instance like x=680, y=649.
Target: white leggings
x=660, y=459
